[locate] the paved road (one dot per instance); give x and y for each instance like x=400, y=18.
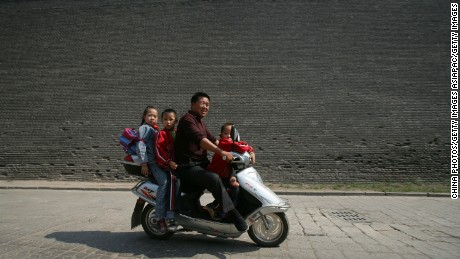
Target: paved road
x=96, y=224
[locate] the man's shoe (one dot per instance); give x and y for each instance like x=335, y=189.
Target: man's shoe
x=239, y=221
x=172, y=226
x=212, y=212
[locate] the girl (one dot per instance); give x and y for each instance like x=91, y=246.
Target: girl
x=164, y=153
x=144, y=148
x=145, y=151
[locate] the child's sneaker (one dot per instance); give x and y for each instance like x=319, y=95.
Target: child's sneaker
x=172, y=226
x=161, y=225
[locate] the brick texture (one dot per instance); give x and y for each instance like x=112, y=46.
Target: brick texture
x=326, y=91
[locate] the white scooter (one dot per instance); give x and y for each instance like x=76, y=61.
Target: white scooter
x=262, y=209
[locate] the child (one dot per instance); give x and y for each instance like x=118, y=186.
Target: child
x=145, y=152
x=147, y=130
x=164, y=152
x=223, y=168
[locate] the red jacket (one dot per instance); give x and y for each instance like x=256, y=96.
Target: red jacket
x=220, y=166
x=164, y=148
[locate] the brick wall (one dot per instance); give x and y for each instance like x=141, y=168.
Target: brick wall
x=326, y=91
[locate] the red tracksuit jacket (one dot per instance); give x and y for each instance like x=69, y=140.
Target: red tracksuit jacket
x=164, y=148
x=220, y=166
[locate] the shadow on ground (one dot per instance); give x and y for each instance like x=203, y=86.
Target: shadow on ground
x=179, y=245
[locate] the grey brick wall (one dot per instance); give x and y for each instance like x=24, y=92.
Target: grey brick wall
x=326, y=91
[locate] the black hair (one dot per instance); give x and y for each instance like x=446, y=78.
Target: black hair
x=199, y=95
x=146, y=111
x=225, y=125
x=169, y=111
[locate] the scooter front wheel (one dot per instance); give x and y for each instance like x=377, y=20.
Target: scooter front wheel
x=149, y=224
x=269, y=230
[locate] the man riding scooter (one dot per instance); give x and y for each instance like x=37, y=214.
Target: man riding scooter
x=193, y=140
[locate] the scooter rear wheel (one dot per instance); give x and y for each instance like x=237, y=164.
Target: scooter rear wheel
x=269, y=230
x=149, y=225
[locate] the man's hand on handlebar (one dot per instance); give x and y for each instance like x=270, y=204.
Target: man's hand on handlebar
x=227, y=156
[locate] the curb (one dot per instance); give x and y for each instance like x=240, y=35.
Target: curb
x=354, y=193
x=65, y=188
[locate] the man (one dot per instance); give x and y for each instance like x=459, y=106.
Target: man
x=193, y=140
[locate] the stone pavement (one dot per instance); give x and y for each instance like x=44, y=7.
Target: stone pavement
x=73, y=223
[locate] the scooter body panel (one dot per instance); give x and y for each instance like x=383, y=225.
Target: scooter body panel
x=214, y=228
x=146, y=190
x=249, y=180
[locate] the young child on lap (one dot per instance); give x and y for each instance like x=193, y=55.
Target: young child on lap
x=223, y=168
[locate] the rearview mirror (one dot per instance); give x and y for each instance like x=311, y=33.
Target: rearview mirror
x=234, y=134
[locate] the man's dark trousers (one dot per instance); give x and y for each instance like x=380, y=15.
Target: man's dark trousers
x=196, y=178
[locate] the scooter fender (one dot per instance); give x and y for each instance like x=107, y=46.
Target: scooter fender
x=146, y=190
x=253, y=217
